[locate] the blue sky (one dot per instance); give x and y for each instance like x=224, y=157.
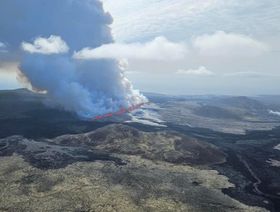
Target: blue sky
x=190, y=46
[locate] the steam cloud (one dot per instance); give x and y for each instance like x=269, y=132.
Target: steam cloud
x=44, y=34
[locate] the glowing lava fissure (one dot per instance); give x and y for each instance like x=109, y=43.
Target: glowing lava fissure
x=119, y=112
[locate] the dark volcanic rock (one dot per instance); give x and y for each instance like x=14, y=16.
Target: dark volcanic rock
x=45, y=155
x=165, y=146
x=102, y=143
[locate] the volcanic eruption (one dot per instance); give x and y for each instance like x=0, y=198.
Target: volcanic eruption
x=42, y=37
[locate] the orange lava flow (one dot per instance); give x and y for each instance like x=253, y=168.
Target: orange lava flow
x=119, y=112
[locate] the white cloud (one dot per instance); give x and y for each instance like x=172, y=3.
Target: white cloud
x=222, y=44
x=178, y=18
x=52, y=45
x=201, y=71
x=2, y=45
x=156, y=16
x=277, y=113
x=3, y=48
x=158, y=49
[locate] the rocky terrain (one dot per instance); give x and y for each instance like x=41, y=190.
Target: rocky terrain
x=115, y=168
x=188, y=153
x=226, y=114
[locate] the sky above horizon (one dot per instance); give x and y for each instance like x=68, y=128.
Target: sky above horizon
x=188, y=46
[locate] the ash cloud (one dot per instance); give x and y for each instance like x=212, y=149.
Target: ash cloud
x=44, y=34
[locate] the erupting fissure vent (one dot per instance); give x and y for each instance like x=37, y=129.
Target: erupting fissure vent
x=119, y=112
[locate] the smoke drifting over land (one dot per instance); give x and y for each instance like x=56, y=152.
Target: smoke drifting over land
x=44, y=34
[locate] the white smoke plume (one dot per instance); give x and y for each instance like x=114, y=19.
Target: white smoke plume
x=44, y=34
